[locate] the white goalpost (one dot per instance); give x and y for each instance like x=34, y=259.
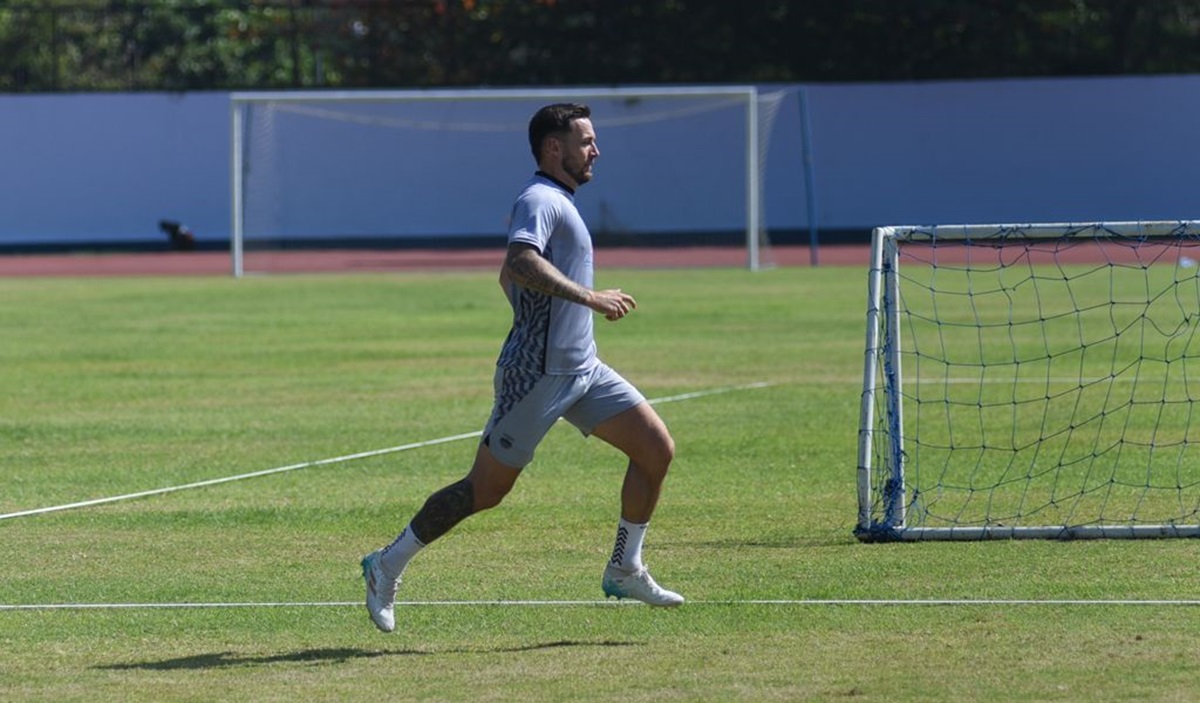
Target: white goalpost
x=1031, y=381
x=326, y=169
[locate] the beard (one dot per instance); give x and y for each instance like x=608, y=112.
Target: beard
x=579, y=172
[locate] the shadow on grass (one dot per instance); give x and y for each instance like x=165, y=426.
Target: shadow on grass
x=340, y=655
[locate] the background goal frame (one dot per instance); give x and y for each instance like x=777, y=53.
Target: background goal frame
x=884, y=492
x=240, y=102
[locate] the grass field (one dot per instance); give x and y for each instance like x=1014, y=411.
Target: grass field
x=113, y=386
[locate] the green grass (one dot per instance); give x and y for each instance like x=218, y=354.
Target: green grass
x=110, y=386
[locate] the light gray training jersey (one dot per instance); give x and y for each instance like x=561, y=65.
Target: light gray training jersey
x=550, y=335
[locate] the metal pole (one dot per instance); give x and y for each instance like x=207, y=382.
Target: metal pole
x=810, y=179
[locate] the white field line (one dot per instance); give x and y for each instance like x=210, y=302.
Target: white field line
x=240, y=477
x=332, y=460
x=868, y=602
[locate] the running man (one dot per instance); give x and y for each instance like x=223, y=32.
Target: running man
x=548, y=369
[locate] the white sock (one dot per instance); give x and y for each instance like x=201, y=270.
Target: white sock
x=397, y=554
x=627, y=552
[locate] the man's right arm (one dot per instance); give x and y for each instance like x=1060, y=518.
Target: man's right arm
x=526, y=267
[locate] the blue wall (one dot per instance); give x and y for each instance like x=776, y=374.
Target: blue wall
x=1007, y=151
x=104, y=168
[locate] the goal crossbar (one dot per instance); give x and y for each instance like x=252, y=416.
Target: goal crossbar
x=1043, y=230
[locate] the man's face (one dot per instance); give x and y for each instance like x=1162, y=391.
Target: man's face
x=579, y=151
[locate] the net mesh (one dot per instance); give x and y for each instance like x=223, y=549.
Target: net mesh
x=1044, y=382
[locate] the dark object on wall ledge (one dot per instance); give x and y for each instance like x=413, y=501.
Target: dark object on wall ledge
x=181, y=237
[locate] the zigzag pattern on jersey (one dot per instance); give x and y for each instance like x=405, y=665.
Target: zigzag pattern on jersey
x=618, y=555
x=515, y=384
x=529, y=338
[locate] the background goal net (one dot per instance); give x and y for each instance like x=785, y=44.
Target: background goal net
x=1032, y=381
x=440, y=168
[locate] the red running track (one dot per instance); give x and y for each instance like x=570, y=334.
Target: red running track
x=218, y=263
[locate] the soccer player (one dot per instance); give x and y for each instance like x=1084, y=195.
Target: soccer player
x=548, y=369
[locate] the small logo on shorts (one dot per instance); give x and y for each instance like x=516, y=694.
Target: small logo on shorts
x=506, y=441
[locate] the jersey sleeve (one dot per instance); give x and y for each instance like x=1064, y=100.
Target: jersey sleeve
x=533, y=221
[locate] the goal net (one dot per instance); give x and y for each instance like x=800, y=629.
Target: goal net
x=379, y=170
x=1031, y=381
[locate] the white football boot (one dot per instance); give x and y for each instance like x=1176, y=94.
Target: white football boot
x=381, y=593
x=638, y=585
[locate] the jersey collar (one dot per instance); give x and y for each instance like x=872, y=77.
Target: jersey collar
x=555, y=181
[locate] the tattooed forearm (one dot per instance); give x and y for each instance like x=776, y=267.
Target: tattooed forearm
x=444, y=510
x=528, y=269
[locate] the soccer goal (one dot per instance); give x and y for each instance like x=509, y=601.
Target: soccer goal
x=1031, y=381
x=440, y=168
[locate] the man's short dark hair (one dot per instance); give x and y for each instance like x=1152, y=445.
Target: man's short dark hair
x=551, y=120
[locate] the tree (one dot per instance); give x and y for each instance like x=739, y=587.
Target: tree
x=268, y=44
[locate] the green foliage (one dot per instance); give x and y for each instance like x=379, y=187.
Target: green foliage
x=109, y=386
x=265, y=44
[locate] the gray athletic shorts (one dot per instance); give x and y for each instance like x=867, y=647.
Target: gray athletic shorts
x=528, y=404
